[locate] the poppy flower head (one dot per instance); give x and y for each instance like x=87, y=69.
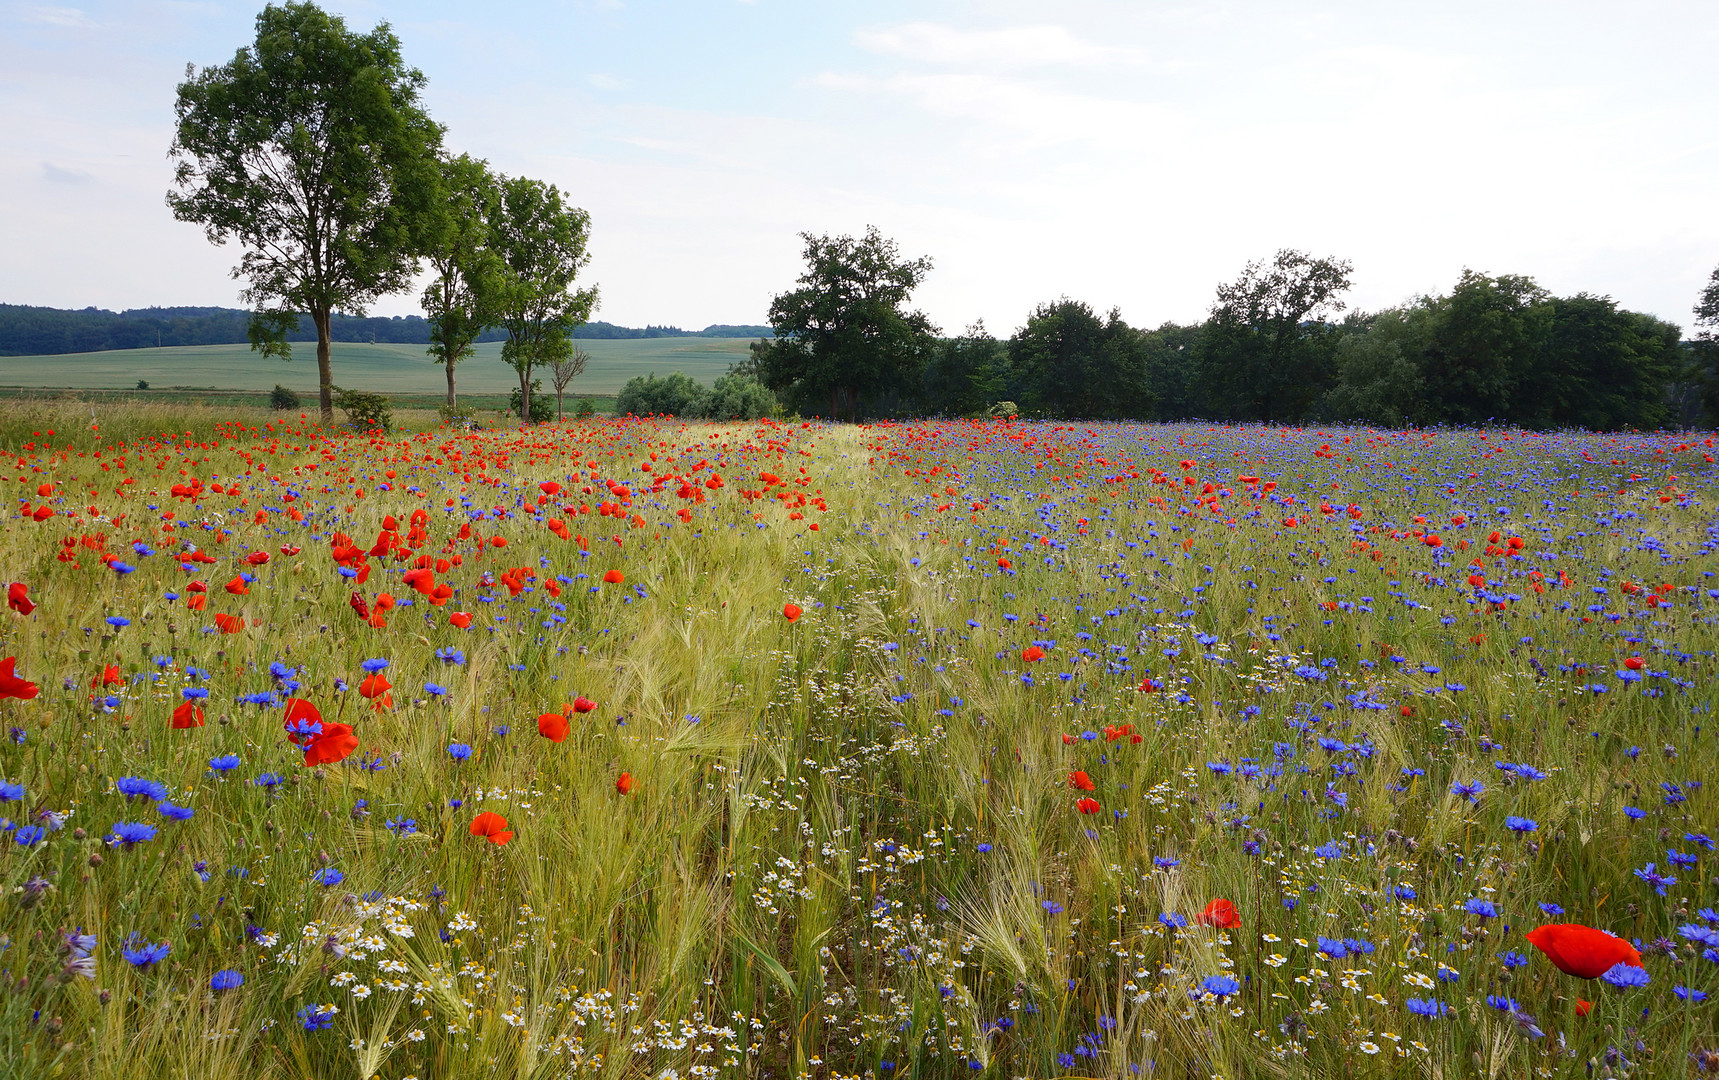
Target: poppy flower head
x=1221, y=914
x=791, y=612
x=1087, y=806
x=461, y=620
x=332, y=745
x=1032, y=654
x=1582, y=951
x=552, y=726
x=109, y=676
x=614, y=577
x=624, y=783
x=1079, y=781
x=187, y=715
x=11, y=686
x=492, y=827
x=374, y=686
x=18, y=598
x=583, y=705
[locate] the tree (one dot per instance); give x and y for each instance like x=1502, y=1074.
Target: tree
x=844, y=340
x=563, y=371
x=311, y=150
x=966, y=375
x=1265, y=352
x=647, y=395
x=1069, y=362
x=457, y=302
x=1483, y=335
x=737, y=397
x=539, y=242
x=1377, y=378
x=1703, y=362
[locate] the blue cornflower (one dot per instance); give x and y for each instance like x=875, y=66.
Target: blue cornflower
x=1220, y=986
x=1430, y=1008
x=133, y=786
x=176, y=813
x=434, y=690
x=1052, y=906
x=1332, y=947
x=130, y=833
x=373, y=666
x=1552, y=909
x=1469, y=791
x=1652, y=876
x=1164, y=862
x=226, y=979
x=29, y=835
x=1694, y=997
x=1520, y=824
x=459, y=751
x=224, y=763
x=269, y=780
x=1626, y=977
x=10, y=792
x=192, y=693
x=119, y=621
x=403, y=826
x=1329, y=850
x=1513, y=960
x=1173, y=920
x=1503, y=1004
x=1483, y=908
x=983, y=849
x=144, y=955
x=303, y=727
x=328, y=877
x=317, y=1017
x=1634, y=813
x=450, y=655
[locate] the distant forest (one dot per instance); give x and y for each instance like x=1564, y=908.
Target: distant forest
x=42, y=331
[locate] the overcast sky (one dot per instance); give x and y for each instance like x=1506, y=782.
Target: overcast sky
x=1129, y=154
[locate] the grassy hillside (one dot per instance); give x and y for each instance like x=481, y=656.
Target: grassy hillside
x=391, y=369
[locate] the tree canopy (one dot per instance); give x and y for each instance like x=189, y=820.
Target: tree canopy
x=310, y=149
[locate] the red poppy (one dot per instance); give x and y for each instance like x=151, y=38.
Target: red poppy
x=1087, y=806
x=492, y=827
x=1582, y=951
x=549, y=487
x=791, y=612
x=298, y=709
x=376, y=687
x=109, y=676
x=1032, y=654
x=1583, y=1008
x=1221, y=914
x=257, y=558
x=229, y=624
x=552, y=726
x=461, y=620
x=624, y=783
x=18, y=598
x=10, y=685
x=1004, y=563
x=237, y=587
x=1079, y=781
x=332, y=745
x=614, y=577
x=187, y=715
x=583, y=705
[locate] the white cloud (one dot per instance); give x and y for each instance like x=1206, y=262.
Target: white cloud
x=1008, y=47
x=70, y=18
x=55, y=174
x=605, y=82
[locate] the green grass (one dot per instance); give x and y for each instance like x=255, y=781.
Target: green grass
x=854, y=838
x=388, y=369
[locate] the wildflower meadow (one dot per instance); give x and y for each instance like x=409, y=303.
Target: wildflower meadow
x=658, y=749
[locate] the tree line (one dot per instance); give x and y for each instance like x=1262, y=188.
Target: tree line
x=44, y=331
x=1278, y=345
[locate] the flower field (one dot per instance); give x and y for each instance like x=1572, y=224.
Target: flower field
x=656, y=749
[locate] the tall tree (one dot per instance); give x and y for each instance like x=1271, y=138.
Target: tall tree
x=312, y=151
x=539, y=242
x=1484, y=334
x=1069, y=362
x=562, y=372
x=844, y=339
x=1703, y=363
x=457, y=302
x=1265, y=351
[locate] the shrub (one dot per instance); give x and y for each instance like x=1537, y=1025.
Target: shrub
x=455, y=416
x=586, y=407
x=281, y=399
x=364, y=410
x=1004, y=409
x=143, y=384
x=542, y=405
x=737, y=397
x=676, y=395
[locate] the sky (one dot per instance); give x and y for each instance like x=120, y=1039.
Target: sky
x=1126, y=153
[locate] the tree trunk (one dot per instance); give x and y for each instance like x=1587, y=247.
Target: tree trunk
x=525, y=396
x=324, y=363
x=559, y=415
x=449, y=364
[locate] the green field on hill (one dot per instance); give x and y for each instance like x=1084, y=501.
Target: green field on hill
x=388, y=369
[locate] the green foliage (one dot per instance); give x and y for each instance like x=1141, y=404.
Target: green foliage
x=542, y=408
x=458, y=302
x=676, y=395
x=539, y=242
x=736, y=397
x=282, y=399
x=586, y=407
x=965, y=374
x=143, y=384
x=311, y=150
x=365, y=411
x=845, y=344
x=1068, y=362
